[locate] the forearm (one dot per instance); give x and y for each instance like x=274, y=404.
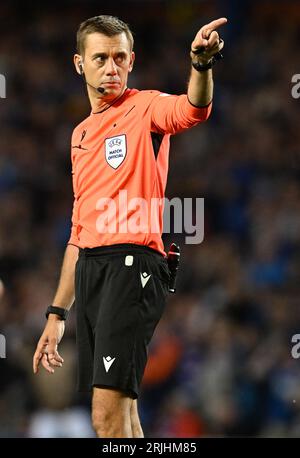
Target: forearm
x=65, y=293
x=200, y=88
x=205, y=50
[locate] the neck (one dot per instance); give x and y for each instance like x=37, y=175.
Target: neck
x=100, y=102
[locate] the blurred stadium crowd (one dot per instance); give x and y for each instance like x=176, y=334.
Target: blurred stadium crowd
x=220, y=363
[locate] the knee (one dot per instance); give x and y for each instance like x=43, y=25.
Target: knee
x=111, y=413
x=104, y=422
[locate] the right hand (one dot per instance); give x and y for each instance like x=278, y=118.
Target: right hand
x=46, y=350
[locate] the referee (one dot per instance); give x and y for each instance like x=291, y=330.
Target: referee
x=115, y=265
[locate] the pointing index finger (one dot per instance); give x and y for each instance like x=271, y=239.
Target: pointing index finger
x=213, y=25
x=216, y=23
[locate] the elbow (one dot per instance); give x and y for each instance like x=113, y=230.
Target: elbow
x=205, y=112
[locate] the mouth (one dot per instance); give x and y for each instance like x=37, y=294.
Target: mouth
x=112, y=83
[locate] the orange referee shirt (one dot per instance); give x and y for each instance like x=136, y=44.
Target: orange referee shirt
x=120, y=165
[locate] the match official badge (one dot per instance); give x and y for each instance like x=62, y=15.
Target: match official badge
x=115, y=150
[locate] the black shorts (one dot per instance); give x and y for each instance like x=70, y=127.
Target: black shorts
x=120, y=295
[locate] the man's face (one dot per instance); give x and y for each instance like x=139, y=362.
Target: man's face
x=107, y=62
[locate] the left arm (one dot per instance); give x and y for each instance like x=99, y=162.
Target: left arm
x=204, y=46
x=172, y=114
x=200, y=88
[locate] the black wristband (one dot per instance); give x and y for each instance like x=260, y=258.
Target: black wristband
x=203, y=67
x=59, y=311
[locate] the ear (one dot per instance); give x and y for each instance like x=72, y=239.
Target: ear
x=132, y=59
x=78, y=62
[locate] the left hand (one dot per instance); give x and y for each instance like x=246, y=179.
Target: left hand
x=208, y=40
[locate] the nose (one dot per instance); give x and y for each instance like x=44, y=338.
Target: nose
x=111, y=68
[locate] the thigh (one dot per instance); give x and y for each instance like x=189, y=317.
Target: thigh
x=132, y=303
x=84, y=335
x=116, y=327
x=108, y=402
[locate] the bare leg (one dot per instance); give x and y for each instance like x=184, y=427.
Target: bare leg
x=111, y=413
x=135, y=420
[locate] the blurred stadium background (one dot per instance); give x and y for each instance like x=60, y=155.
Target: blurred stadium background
x=220, y=363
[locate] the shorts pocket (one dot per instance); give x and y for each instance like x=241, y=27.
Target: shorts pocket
x=162, y=271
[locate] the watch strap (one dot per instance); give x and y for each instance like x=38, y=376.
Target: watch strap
x=59, y=311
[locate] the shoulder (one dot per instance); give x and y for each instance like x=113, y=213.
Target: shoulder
x=146, y=96
x=79, y=129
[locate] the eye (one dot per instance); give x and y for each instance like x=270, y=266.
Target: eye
x=120, y=58
x=100, y=59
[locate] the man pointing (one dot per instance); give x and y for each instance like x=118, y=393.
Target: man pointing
x=114, y=265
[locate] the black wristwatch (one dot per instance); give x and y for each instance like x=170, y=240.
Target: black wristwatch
x=59, y=311
x=203, y=67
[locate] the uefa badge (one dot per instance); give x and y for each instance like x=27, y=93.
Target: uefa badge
x=115, y=150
